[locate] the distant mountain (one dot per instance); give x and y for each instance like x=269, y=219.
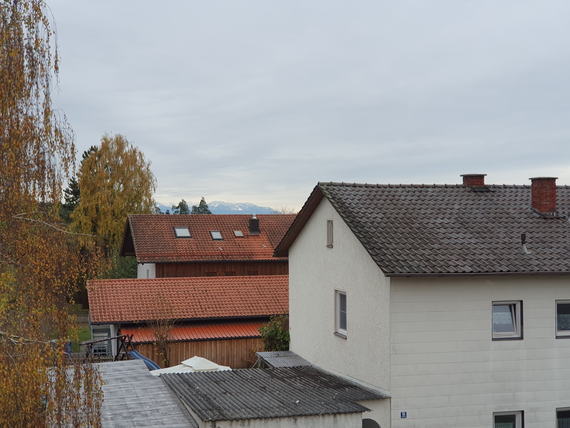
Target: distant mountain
x=218, y=207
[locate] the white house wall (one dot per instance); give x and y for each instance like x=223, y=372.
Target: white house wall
x=446, y=370
x=146, y=270
x=315, y=273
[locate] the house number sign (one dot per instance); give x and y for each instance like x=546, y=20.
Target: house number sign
x=403, y=415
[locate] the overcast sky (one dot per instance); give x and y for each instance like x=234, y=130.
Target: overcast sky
x=257, y=101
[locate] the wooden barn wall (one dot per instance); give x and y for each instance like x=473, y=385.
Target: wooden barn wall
x=171, y=270
x=235, y=353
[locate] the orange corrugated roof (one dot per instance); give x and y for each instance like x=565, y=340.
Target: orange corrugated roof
x=132, y=300
x=152, y=238
x=200, y=331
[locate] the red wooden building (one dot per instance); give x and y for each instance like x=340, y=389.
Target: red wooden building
x=168, y=246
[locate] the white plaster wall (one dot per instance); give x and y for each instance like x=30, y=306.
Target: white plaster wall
x=315, y=271
x=353, y=420
x=146, y=270
x=446, y=370
x=379, y=412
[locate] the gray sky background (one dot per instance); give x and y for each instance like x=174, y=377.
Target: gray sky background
x=256, y=101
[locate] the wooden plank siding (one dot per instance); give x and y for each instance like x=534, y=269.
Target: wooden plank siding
x=173, y=270
x=235, y=353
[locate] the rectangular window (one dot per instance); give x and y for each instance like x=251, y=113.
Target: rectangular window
x=508, y=420
x=182, y=232
x=340, y=316
x=563, y=418
x=329, y=233
x=563, y=318
x=216, y=235
x=507, y=320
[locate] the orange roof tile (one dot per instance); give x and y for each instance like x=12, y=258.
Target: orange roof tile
x=132, y=300
x=200, y=331
x=151, y=237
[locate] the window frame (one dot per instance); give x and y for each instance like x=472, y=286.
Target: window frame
x=518, y=322
x=519, y=422
x=181, y=229
x=330, y=234
x=339, y=331
x=560, y=334
x=215, y=238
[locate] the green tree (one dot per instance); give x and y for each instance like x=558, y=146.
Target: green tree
x=275, y=333
x=181, y=208
x=201, y=208
x=115, y=180
x=73, y=193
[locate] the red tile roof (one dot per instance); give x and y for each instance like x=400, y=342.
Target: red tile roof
x=132, y=300
x=202, y=331
x=151, y=237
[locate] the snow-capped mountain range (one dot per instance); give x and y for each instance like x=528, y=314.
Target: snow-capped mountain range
x=218, y=207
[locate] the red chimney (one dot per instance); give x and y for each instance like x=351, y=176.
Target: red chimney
x=543, y=190
x=473, y=179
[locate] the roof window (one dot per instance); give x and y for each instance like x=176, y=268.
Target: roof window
x=182, y=232
x=216, y=235
x=238, y=233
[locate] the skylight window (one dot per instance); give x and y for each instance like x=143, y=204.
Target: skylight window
x=182, y=232
x=216, y=235
x=238, y=233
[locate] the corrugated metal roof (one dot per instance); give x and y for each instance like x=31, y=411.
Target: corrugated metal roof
x=270, y=393
x=132, y=300
x=152, y=238
x=134, y=398
x=282, y=359
x=206, y=331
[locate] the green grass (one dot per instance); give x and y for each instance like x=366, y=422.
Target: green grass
x=84, y=334
x=77, y=309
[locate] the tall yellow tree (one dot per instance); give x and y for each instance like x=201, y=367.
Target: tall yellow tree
x=40, y=262
x=115, y=181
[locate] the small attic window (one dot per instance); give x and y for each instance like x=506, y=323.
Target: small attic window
x=216, y=235
x=182, y=232
x=238, y=233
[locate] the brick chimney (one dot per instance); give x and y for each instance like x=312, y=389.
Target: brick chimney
x=543, y=190
x=473, y=179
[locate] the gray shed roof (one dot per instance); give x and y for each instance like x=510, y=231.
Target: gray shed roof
x=135, y=398
x=269, y=393
x=448, y=229
x=282, y=359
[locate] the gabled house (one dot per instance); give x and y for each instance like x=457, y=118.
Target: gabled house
x=452, y=299
x=216, y=318
x=205, y=245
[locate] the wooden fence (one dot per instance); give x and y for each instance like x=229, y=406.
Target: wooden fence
x=235, y=353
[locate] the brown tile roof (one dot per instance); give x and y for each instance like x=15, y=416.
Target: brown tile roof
x=133, y=300
x=152, y=239
x=201, y=331
x=448, y=229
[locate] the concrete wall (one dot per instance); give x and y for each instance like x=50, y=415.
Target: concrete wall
x=353, y=420
x=315, y=273
x=446, y=370
x=146, y=270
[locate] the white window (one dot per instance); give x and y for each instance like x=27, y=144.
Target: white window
x=216, y=235
x=329, y=233
x=508, y=420
x=507, y=320
x=563, y=418
x=563, y=318
x=182, y=232
x=340, y=316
